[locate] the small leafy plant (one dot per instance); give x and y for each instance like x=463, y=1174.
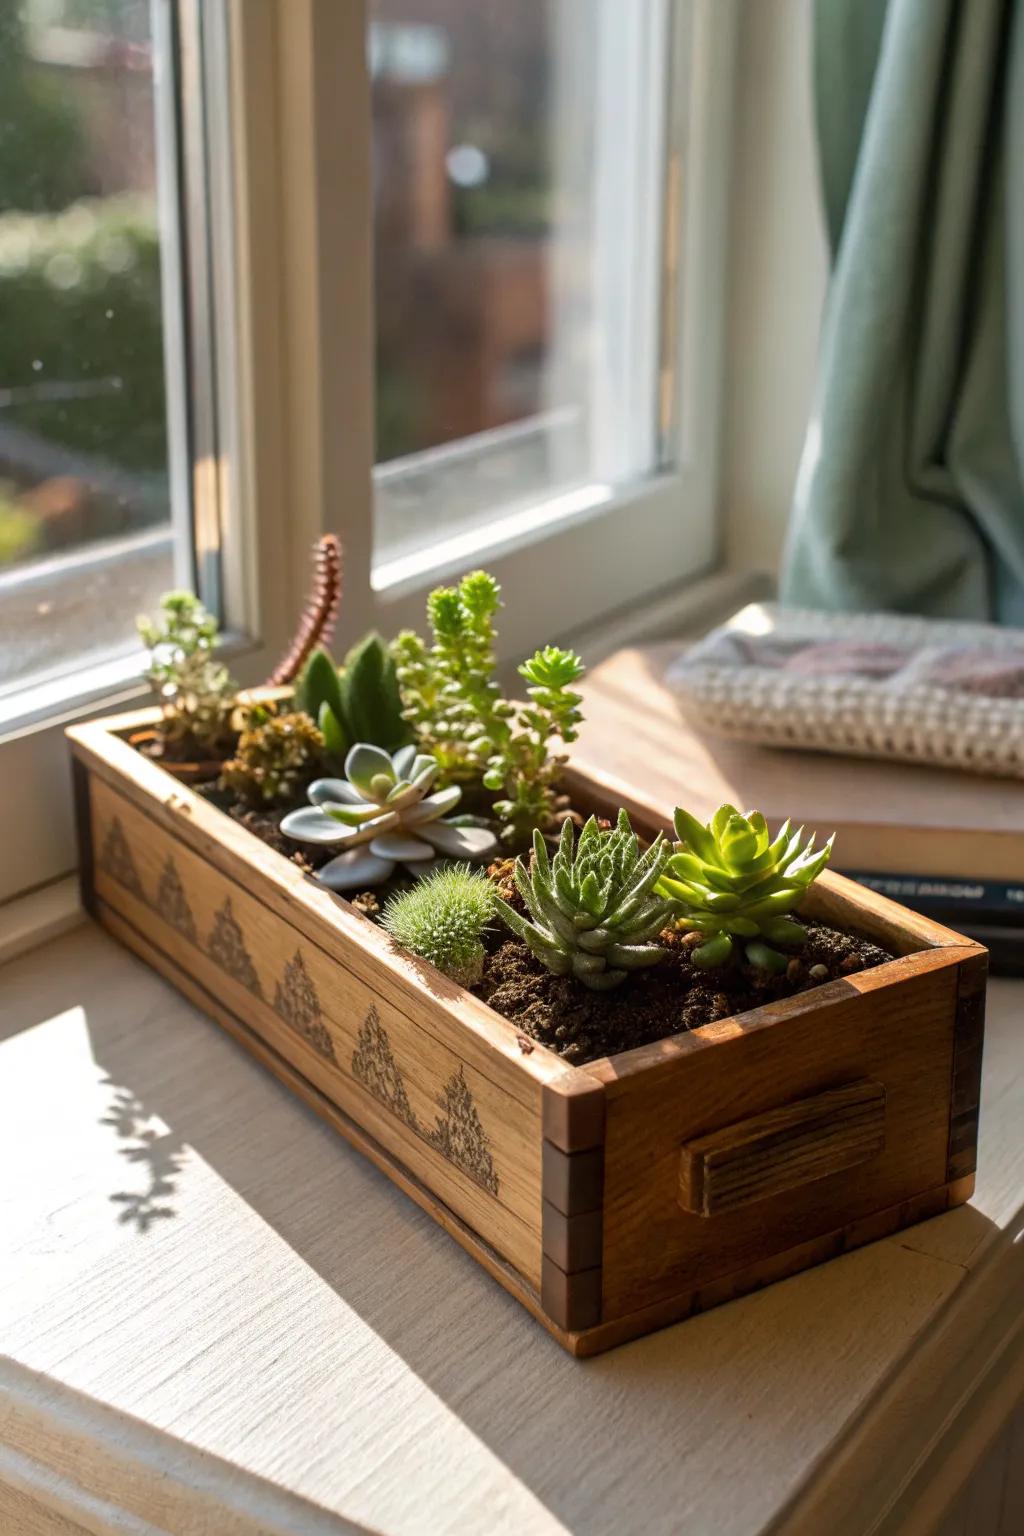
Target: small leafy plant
x=449, y=692
x=593, y=908
x=443, y=919
x=459, y=715
x=521, y=762
x=382, y=811
x=358, y=701
x=276, y=757
x=195, y=690
x=730, y=881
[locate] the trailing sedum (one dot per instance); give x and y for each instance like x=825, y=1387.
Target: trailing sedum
x=592, y=906
x=728, y=880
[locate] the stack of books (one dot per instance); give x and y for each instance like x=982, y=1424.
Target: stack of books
x=948, y=844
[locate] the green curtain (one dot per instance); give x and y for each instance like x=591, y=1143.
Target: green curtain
x=910, y=495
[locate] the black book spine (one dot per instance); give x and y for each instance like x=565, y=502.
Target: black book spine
x=989, y=911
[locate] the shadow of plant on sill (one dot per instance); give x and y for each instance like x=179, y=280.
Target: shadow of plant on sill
x=160, y=1153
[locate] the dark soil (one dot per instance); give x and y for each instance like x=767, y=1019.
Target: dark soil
x=665, y=1000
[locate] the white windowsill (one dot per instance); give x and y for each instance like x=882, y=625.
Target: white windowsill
x=39, y=917
x=152, y=1367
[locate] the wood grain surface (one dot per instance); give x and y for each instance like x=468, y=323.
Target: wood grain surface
x=796, y=1143
x=900, y=1036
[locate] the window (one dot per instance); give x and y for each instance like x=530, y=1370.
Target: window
x=519, y=228
x=86, y=535
x=444, y=276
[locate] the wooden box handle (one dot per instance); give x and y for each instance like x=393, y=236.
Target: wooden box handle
x=783, y=1148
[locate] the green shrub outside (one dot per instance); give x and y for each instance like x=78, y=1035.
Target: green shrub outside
x=80, y=304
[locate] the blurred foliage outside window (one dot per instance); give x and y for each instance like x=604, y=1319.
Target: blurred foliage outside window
x=83, y=444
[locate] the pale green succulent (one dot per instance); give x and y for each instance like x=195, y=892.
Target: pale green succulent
x=592, y=908
x=729, y=880
x=195, y=690
x=443, y=919
x=383, y=813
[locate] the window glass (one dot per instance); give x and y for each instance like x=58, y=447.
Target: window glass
x=518, y=176
x=85, y=535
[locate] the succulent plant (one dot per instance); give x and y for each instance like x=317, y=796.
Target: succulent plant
x=275, y=759
x=443, y=918
x=522, y=763
x=384, y=814
x=358, y=701
x=450, y=696
x=456, y=708
x=592, y=906
x=195, y=690
x=318, y=695
x=729, y=880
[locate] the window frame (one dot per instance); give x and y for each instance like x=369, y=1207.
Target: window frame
x=291, y=397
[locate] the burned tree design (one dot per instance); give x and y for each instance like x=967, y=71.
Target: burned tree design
x=297, y=1003
x=116, y=860
x=459, y=1134
x=226, y=948
x=172, y=904
x=374, y=1065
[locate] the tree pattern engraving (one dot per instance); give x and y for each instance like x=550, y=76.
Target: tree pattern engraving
x=226, y=948
x=458, y=1133
x=116, y=860
x=297, y=1003
x=374, y=1065
x=172, y=904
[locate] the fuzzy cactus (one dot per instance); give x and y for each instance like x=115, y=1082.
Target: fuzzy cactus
x=443, y=918
x=729, y=880
x=592, y=908
x=384, y=815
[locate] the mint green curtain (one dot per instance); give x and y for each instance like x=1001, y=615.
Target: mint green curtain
x=911, y=489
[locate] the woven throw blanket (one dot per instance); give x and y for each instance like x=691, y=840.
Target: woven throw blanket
x=865, y=685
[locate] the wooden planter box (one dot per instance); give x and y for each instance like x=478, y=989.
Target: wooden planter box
x=610, y=1199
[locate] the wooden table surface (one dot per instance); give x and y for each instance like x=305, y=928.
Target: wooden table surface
x=216, y=1318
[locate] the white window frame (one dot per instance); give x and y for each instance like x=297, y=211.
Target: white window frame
x=291, y=317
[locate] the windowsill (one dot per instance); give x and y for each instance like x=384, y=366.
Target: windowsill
x=218, y=1310
x=39, y=917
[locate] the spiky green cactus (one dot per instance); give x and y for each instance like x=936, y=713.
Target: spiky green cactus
x=592, y=906
x=443, y=919
x=730, y=881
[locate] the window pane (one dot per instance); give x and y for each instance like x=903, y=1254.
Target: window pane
x=518, y=173
x=85, y=538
